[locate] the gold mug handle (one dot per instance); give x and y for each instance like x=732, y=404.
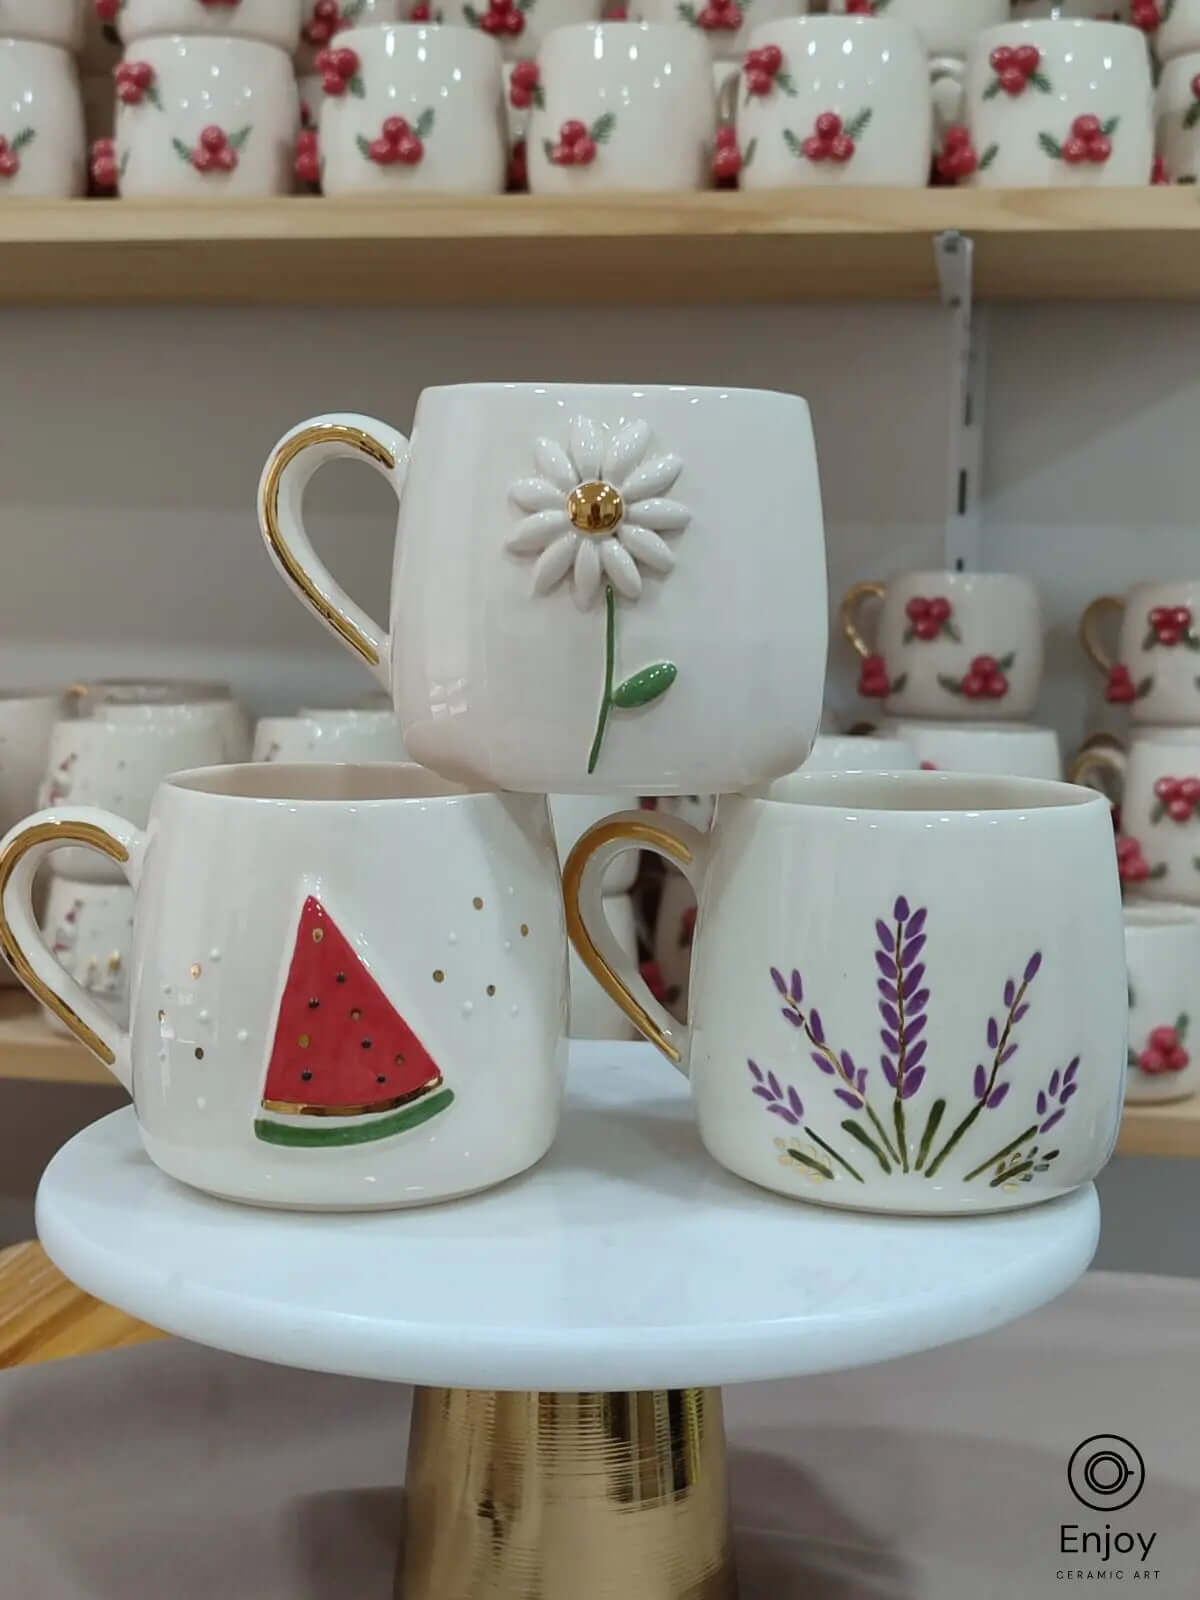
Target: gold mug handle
x=1089, y=629
x=1100, y=760
x=850, y=607
x=587, y=923
x=340, y=436
x=22, y=852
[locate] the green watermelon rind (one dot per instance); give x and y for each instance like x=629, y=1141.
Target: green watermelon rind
x=314, y=1138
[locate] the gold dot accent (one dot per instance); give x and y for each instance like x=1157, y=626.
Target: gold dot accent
x=439, y=976
x=304, y=1041
x=318, y=935
x=356, y=1015
x=524, y=930
x=477, y=903
x=595, y=508
x=194, y=969
x=491, y=988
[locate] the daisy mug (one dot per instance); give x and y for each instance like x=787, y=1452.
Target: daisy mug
x=861, y=1030
x=596, y=587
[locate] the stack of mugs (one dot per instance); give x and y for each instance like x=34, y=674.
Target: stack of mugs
x=43, y=142
x=1154, y=780
x=350, y=982
x=1176, y=35
x=954, y=660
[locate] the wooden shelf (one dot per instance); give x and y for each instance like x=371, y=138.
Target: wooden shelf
x=1166, y=1130
x=865, y=244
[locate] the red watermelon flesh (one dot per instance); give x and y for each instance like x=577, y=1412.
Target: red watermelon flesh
x=341, y=1048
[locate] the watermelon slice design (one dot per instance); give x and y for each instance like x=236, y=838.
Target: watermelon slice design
x=342, y=1050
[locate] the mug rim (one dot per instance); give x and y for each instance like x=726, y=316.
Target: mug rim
x=1023, y=24
x=300, y=785
x=420, y=31
x=225, y=42
x=31, y=696
x=948, y=575
x=993, y=796
x=1019, y=730
x=623, y=391
x=1167, y=918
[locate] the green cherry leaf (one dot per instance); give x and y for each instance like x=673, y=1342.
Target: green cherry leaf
x=181, y=150
x=238, y=139
x=424, y=125
x=951, y=685
x=645, y=686
x=1005, y=662
x=1050, y=145
x=988, y=156
x=748, y=154
x=364, y=146
x=793, y=144
x=898, y=683
x=1192, y=115
x=1110, y=127
x=602, y=127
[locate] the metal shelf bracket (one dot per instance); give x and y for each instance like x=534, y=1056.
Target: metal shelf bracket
x=954, y=253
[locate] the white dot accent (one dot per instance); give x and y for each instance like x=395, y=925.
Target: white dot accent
x=214, y=955
x=516, y=1011
x=511, y=889
x=201, y=1102
x=243, y=1034
x=508, y=944
x=203, y=1016
x=452, y=939
x=468, y=1007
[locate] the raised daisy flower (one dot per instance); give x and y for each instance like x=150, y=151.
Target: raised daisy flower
x=597, y=509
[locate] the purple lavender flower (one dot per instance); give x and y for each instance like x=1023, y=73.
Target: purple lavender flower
x=786, y=1105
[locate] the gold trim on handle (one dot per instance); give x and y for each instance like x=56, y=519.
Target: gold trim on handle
x=319, y=433
x=636, y=833
x=851, y=600
x=1097, y=758
x=1088, y=622
x=56, y=833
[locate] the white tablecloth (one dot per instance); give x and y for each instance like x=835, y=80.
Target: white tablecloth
x=169, y=1472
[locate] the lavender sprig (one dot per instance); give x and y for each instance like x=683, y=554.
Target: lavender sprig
x=902, y=1007
x=780, y=1103
x=1052, y=1102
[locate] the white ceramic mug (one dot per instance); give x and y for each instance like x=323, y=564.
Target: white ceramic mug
x=1156, y=670
x=357, y=735
x=622, y=105
x=592, y=591
x=43, y=143
x=1176, y=31
x=1157, y=785
x=1162, y=951
x=573, y=815
x=966, y=645
x=167, y=703
x=205, y=116
x=118, y=760
x=592, y=1014
x=844, y=753
x=841, y=100
x=324, y=21
x=725, y=25
x=1002, y=749
x=855, y=1011
x=27, y=718
x=424, y=112
x=1108, y=11
x=519, y=27
x=57, y=22
x=88, y=929
x=946, y=27
x=274, y=22
x=1059, y=103
x=380, y=1023
x=1177, y=110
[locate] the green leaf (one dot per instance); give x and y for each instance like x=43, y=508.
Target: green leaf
x=988, y=156
x=472, y=16
x=1181, y=1025
x=992, y=90
x=602, y=127
x=645, y=686
x=898, y=683
x=1192, y=640
x=795, y=145
x=951, y=685
x=748, y=152
x=687, y=14
x=1151, y=639
x=1132, y=1058
x=238, y=140
x=548, y=150
x=785, y=81
x=809, y=1161
x=1145, y=686
x=948, y=627
x=26, y=136
x=1005, y=662
x=539, y=97
x=1160, y=871
x=352, y=9
x=1157, y=812
x=181, y=150
x=357, y=87
x=154, y=97
x=909, y=635
x=1192, y=115
x=857, y=126
x=1039, y=80
x=124, y=164
x=1050, y=145
x=364, y=145
x=424, y=125
x=1110, y=127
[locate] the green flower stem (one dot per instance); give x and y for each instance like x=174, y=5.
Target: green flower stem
x=991, y=1084
x=1001, y=1154
x=830, y=1151
x=610, y=655
x=865, y=1139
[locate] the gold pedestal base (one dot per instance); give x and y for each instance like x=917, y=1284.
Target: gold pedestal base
x=534, y=1496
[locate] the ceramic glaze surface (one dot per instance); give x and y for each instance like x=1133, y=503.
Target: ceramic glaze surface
x=1179, y=31
x=724, y=25
x=590, y=593
x=1156, y=670
x=1066, y=103
x=43, y=153
x=946, y=27
x=88, y=928
x=863, y=1033
x=593, y=1014
x=1158, y=787
x=352, y=735
x=275, y=22
x=326, y=21
x=421, y=110
x=847, y=104
x=1162, y=949
x=1015, y=750
x=58, y=22
x=205, y=117
x=1177, y=113
x=519, y=27
x=380, y=1023
x=623, y=106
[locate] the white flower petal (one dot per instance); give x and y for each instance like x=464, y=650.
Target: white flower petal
x=664, y=516
x=587, y=449
x=624, y=451
x=554, y=564
x=649, y=549
x=553, y=462
x=535, y=494
x=587, y=573
x=621, y=569
x=535, y=533
x=652, y=477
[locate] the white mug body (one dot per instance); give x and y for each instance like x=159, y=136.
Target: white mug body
x=1158, y=780
x=961, y=645
x=1177, y=117
x=206, y=117
x=591, y=593
x=1001, y=749
x=43, y=144
x=275, y=22
x=848, y=104
x=423, y=112
x=573, y=815
x=381, y=1023
x=1053, y=104
x=518, y=27
x=57, y=22
x=88, y=928
x=624, y=106
x=358, y=736
x=320, y=31
x=1110, y=11
x=1162, y=949
x=946, y=27
x=27, y=719
x=846, y=753
x=1178, y=33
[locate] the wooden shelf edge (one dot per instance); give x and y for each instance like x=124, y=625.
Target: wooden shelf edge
x=1171, y=1130
x=758, y=247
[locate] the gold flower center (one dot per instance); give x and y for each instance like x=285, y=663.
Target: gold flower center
x=595, y=508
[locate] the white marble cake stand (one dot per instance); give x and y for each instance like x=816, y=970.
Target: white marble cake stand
x=568, y=1330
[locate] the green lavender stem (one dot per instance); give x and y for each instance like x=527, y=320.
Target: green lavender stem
x=936, y=1112
x=610, y=651
x=864, y=1138
x=971, y=1115
x=830, y=1151
x=810, y=1162
x=1000, y=1154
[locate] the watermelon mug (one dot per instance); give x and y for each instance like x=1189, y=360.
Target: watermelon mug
x=349, y=984
x=597, y=588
